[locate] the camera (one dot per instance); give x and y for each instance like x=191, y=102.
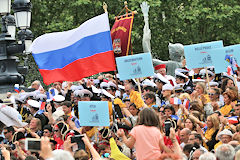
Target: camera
x=33, y=144
x=169, y=123
x=76, y=138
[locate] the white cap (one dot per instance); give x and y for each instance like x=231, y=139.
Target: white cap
x=161, y=78
x=104, y=85
x=96, y=81
x=167, y=87
x=224, y=74
x=213, y=84
x=121, y=87
x=181, y=70
x=85, y=92
x=198, y=80
x=75, y=87
x=106, y=93
x=177, y=73
x=58, y=98
x=225, y=132
x=33, y=103
x=111, y=84
x=147, y=82
x=10, y=116
x=95, y=90
x=203, y=72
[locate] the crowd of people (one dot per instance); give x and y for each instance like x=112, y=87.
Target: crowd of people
x=193, y=115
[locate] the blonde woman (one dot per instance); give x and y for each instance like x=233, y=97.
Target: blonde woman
x=211, y=130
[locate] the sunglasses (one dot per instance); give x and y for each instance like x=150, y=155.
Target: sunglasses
x=5, y=132
x=211, y=94
x=56, y=130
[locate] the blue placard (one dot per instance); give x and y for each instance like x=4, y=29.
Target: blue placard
x=135, y=66
x=197, y=55
x=221, y=57
x=93, y=113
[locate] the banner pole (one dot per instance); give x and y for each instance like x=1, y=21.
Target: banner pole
x=139, y=87
x=235, y=80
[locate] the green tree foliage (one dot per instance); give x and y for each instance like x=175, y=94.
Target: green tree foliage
x=183, y=21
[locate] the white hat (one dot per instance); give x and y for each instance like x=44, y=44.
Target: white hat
x=225, y=132
x=198, y=80
x=177, y=73
x=181, y=70
x=85, y=92
x=104, y=85
x=147, y=82
x=10, y=116
x=95, y=90
x=203, y=72
x=58, y=113
x=167, y=87
x=161, y=78
x=58, y=98
x=75, y=87
x=121, y=87
x=213, y=84
x=106, y=93
x=96, y=81
x=224, y=74
x=33, y=103
x=111, y=84
x=77, y=93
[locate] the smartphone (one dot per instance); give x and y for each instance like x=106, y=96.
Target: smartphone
x=76, y=138
x=118, y=111
x=168, y=125
x=80, y=144
x=33, y=144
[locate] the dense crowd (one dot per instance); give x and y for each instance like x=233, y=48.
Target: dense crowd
x=194, y=116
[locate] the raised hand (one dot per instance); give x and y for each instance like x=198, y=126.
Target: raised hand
x=145, y=8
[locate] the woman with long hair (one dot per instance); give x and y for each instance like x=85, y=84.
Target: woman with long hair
x=211, y=130
x=228, y=100
x=145, y=136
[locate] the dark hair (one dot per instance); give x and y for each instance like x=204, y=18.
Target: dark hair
x=169, y=106
x=224, y=84
x=151, y=95
x=149, y=88
x=48, y=127
x=195, y=106
x=148, y=117
x=193, y=123
x=198, y=136
x=67, y=103
x=10, y=129
x=217, y=91
x=190, y=147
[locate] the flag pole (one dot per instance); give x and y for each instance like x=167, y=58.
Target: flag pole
x=105, y=7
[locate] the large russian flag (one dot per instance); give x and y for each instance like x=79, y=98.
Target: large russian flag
x=75, y=54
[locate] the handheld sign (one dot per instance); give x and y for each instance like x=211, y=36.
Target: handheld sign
x=93, y=113
x=197, y=55
x=135, y=66
x=225, y=58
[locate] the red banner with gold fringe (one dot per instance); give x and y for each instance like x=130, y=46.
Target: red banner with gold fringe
x=121, y=35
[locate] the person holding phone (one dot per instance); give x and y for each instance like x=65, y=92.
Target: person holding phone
x=145, y=135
